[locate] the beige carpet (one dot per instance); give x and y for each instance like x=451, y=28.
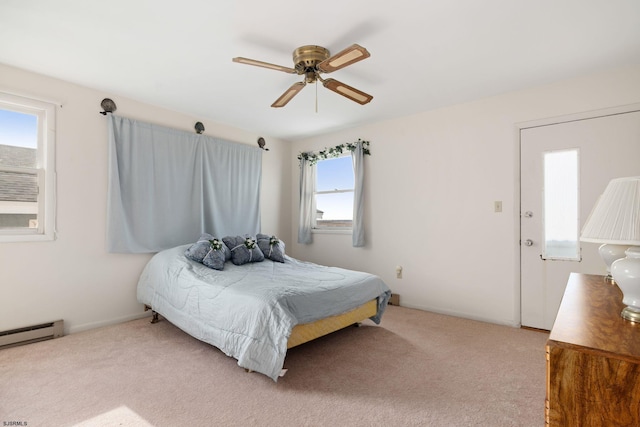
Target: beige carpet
x=416, y=368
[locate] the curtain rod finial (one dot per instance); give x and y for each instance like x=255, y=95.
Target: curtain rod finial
x=108, y=106
x=199, y=128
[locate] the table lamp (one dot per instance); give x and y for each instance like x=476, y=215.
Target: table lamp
x=615, y=220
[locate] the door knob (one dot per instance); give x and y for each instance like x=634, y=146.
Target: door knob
x=528, y=242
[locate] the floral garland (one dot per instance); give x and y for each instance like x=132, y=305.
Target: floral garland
x=328, y=153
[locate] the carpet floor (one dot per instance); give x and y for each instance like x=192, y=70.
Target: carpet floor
x=415, y=369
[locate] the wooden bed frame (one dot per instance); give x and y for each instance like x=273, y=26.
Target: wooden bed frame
x=309, y=331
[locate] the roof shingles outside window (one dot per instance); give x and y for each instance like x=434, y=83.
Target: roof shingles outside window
x=18, y=187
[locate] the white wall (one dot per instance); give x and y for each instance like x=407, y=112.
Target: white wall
x=74, y=278
x=431, y=183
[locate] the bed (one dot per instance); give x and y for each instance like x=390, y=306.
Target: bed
x=256, y=311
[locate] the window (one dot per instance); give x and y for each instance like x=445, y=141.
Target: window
x=27, y=140
x=334, y=194
x=561, y=205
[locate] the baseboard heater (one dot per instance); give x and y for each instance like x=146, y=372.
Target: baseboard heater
x=31, y=334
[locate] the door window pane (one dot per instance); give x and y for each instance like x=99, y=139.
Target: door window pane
x=561, y=205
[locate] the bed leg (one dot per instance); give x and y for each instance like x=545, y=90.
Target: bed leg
x=154, y=318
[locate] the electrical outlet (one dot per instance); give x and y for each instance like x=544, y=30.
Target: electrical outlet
x=497, y=206
x=399, y=272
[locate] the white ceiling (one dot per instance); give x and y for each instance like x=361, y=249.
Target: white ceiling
x=424, y=54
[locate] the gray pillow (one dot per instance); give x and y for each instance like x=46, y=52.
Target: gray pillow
x=271, y=247
x=244, y=249
x=201, y=248
x=215, y=258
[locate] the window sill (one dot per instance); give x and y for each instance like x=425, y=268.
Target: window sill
x=31, y=237
x=332, y=231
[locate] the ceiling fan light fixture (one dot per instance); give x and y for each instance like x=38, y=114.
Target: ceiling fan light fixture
x=311, y=76
x=347, y=91
x=290, y=93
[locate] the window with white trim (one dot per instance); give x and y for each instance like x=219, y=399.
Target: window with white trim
x=27, y=175
x=334, y=193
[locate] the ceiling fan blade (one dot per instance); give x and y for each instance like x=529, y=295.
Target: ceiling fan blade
x=290, y=93
x=264, y=65
x=347, y=91
x=350, y=55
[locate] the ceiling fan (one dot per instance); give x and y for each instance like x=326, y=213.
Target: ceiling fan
x=312, y=61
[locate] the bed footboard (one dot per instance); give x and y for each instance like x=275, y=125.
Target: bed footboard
x=310, y=331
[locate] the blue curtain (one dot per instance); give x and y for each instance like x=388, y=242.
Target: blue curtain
x=167, y=186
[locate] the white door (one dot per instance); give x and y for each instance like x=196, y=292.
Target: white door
x=564, y=169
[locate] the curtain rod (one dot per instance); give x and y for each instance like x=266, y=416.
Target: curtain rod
x=109, y=106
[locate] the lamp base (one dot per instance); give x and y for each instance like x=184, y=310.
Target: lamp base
x=609, y=253
x=630, y=314
x=626, y=272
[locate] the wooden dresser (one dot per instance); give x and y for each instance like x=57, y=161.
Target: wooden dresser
x=593, y=358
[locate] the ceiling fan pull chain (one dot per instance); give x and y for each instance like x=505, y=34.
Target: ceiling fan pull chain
x=316, y=97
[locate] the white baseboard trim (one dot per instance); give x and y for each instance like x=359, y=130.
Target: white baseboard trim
x=108, y=322
x=135, y=316
x=454, y=313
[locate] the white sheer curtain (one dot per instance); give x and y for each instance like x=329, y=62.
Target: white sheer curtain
x=167, y=186
x=307, y=201
x=357, y=157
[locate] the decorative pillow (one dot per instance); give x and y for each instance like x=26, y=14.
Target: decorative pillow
x=215, y=258
x=271, y=247
x=244, y=249
x=201, y=248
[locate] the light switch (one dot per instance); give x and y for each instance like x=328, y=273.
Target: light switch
x=497, y=206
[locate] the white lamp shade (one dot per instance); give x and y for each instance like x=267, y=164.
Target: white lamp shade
x=615, y=218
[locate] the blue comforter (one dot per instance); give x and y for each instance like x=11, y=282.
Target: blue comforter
x=248, y=311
